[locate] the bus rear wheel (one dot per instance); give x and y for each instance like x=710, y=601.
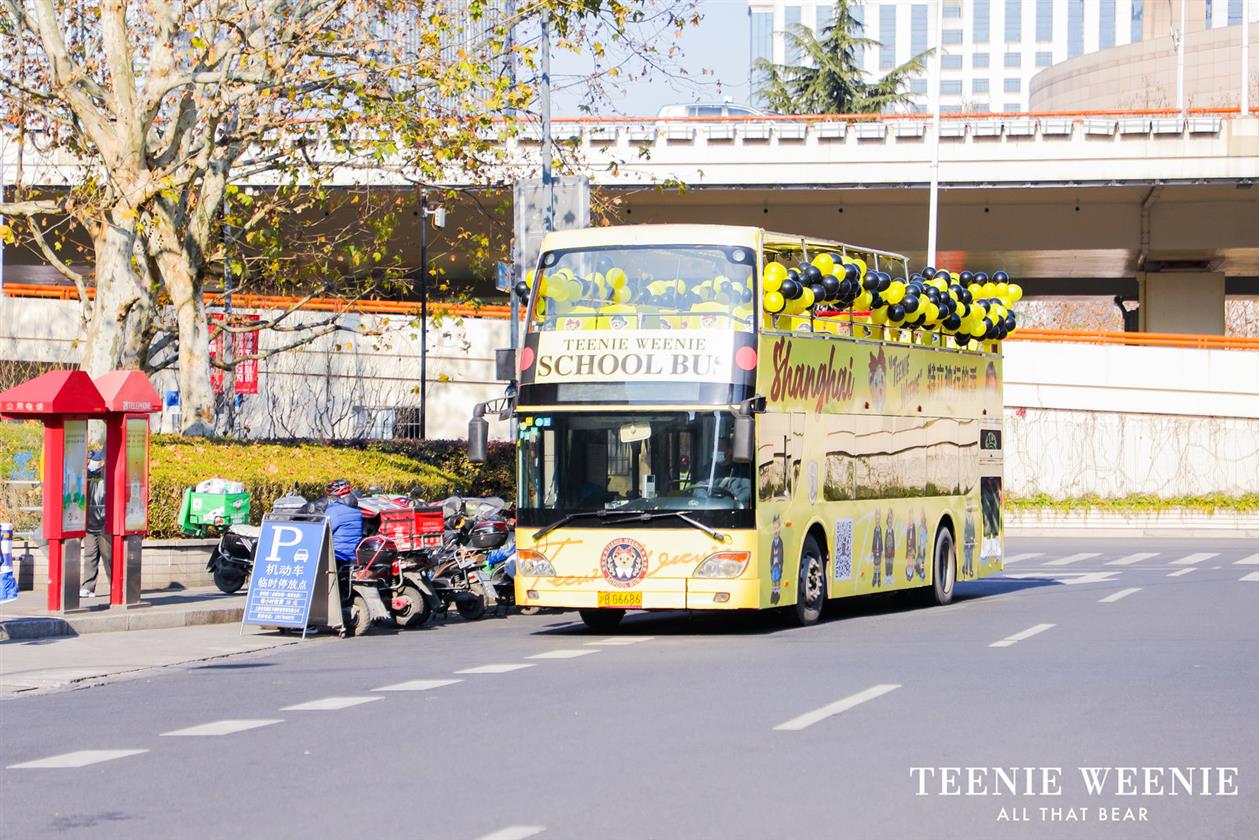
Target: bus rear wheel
x=811, y=587
x=602, y=621
x=943, y=571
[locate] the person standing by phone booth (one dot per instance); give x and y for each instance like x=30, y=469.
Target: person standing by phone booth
x=129, y=399
x=64, y=401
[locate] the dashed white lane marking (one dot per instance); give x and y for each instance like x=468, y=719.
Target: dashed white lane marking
x=1251, y=576
x=1068, y=578
x=81, y=758
x=1133, y=558
x=1252, y=560
x=417, y=685
x=621, y=641
x=565, y=653
x=1180, y=572
x=329, y=704
x=809, y=718
x=1195, y=558
x=513, y=832
x=497, y=668
x=221, y=727
x=1072, y=558
x=1122, y=593
x=1021, y=635
x=1027, y=555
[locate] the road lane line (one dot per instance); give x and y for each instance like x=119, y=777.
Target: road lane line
x=497, y=668
x=1182, y=572
x=1027, y=555
x=1071, y=558
x=621, y=641
x=1133, y=558
x=1122, y=593
x=513, y=832
x=80, y=758
x=221, y=727
x=1021, y=635
x=1195, y=558
x=1251, y=576
x=1252, y=560
x=417, y=685
x=563, y=653
x=1067, y=578
x=809, y=718
x=329, y=704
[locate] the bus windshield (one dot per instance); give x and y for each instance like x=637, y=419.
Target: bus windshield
x=631, y=461
x=646, y=287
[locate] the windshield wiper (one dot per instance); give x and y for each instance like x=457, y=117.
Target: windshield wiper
x=640, y=515
x=567, y=518
x=656, y=514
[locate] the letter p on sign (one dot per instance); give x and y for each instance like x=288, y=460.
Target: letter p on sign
x=279, y=541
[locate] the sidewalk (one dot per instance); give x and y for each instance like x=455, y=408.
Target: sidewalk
x=28, y=617
x=59, y=662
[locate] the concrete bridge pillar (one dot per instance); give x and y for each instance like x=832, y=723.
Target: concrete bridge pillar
x=1182, y=302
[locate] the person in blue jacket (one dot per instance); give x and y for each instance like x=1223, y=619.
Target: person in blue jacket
x=344, y=518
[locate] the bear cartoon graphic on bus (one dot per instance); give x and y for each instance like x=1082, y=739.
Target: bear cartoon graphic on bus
x=876, y=550
x=878, y=380
x=889, y=551
x=911, y=549
x=920, y=566
x=968, y=540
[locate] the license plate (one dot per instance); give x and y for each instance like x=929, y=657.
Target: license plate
x=624, y=600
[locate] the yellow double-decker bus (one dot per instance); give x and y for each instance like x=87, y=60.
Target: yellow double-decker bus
x=679, y=447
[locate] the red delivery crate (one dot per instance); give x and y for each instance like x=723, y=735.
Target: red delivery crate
x=413, y=528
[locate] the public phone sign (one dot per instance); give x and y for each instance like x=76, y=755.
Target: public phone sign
x=287, y=563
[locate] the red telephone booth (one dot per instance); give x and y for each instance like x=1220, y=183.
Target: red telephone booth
x=63, y=400
x=129, y=400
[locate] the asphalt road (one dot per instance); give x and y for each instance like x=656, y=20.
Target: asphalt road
x=693, y=727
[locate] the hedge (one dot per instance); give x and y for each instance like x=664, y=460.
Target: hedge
x=271, y=469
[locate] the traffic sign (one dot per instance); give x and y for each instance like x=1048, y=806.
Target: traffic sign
x=291, y=554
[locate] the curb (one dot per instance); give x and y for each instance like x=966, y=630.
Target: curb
x=15, y=629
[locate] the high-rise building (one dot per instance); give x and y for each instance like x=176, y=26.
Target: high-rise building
x=990, y=48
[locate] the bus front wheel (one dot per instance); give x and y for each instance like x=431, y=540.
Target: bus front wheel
x=602, y=621
x=811, y=587
x=943, y=571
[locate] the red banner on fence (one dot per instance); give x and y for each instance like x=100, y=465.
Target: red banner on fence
x=243, y=344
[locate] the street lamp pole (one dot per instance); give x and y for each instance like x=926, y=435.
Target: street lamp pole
x=933, y=199
x=423, y=315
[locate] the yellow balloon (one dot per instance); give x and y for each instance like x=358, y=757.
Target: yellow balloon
x=825, y=263
x=978, y=330
x=1016, y=292
x=806, y=297
x=895, y=292
x=773, y=283
x=774, y=302
x=932, y=313
x=620, y=294
x=976, y=290
x=879, y=316
x=861, y=266
x=989, y=290
x=529, y=278
x=863, y=300
x=557, y=290
x=616, y=278
x=774, y=273
x=1003, y=290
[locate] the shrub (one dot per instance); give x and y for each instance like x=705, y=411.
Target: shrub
x=271, y=469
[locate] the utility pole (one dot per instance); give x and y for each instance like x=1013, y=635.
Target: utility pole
x=423, y=315
x=227, y=338
x=548, y=154
x=933, y=206
x=1245, y=98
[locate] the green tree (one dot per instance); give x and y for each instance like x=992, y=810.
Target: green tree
x=830, y=79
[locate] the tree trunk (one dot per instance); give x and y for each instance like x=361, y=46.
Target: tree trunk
x=118, y=290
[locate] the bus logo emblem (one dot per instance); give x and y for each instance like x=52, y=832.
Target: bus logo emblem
x=624, y=562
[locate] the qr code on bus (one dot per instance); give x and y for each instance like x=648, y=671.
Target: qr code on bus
x=843, y=549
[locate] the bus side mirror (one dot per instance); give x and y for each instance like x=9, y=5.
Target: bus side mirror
x=478, y=439
x=743, y=450
x=505, y=364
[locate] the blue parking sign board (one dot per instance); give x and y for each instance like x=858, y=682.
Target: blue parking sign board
x=287, y=564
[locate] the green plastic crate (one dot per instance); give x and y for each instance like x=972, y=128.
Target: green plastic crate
x=202, y=511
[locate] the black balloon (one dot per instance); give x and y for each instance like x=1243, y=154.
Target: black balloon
x=791, y=288
x=967, y=277
x=819, y=292
x=981, y=278
x=876, y=300
x=895, y=312
x=910, y=303
x=1000, y=277
x=811, y=274
x=871, y=283
x=522, y=289
x=793, y=274
x=915, y=278
x=832, y=284
x=933, y=295
x=849, y=289
x=851, y=272
x=929, y=272
x=884, y=282
x=952, y=322
x=1008, y=322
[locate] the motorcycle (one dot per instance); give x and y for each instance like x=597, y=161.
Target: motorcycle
x=232, y=560
x=400, y=584
x=473, y=528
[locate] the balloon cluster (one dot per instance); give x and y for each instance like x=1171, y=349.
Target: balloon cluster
x=614, y=286
x=966, y=305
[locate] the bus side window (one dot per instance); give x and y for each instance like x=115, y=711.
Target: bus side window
x=773, y=453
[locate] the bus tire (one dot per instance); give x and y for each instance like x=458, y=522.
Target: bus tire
x=943, y=571
x=810, y=585
x=602, y=621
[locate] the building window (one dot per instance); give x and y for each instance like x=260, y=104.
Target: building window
x=375, y=422
x=1013, y=85
x=950, y=109
x=1044, y=59
x=1013, y=59
x=762, y=47
x=951, y=86
x=791, y=19
x=1012, y=108
x=1106, y=25
x=1234, y=12
x=982, y=23
x=1044, y=20
x=979, y=108
x=952, y=36
x=952, y=12
x=825, y=14
x=979, y=60
x=1075, y=28
x=1013, y=21
x=918, y=29
x=951, y=62
x=859, y=20
x=1138, y=20
x=979, y=86
x=887, y=37
x=918, y=86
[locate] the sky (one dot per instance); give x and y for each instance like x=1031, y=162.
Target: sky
x=714, y=54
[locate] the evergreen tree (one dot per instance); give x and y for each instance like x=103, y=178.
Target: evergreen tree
x=829, y=79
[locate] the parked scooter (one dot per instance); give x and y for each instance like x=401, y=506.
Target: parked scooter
x=402, y=587
x=232, y=559
x=473, y=527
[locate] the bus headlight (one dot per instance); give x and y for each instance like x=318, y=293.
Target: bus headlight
x=723, y=564
x=534, y=564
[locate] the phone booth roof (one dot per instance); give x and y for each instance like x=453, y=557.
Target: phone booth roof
x=56, y=393
x=128, y=391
